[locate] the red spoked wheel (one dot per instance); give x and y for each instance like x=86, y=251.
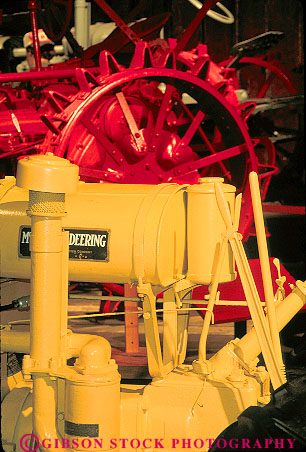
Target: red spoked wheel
x=153, y=125
x=262, y=78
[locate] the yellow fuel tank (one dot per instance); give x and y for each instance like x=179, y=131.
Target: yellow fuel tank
x=118, y=233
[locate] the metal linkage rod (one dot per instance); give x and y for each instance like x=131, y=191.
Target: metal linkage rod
x=251, y=293
x=33, y=13
x=194, y=25
x=264, y=264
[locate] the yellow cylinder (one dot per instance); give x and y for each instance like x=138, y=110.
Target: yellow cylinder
x=205, y=227
x=46, y=288
x=92, y=412
x=116, y=233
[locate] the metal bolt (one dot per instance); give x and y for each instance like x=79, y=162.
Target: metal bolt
x=146, y=315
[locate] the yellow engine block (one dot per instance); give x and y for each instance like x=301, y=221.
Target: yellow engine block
x=172, y=239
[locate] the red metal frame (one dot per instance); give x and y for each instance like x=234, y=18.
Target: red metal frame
x=266, y=64
x=33, y=8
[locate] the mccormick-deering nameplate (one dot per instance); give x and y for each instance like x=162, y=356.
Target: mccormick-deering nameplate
x=84, y=244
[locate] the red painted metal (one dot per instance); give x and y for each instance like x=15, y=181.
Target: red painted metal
x=272, y=66
x=33, y=14
x=133, y=37
x=48, y=73
x=282, y=209
x=207, y=5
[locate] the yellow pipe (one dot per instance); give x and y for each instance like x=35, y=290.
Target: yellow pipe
x=44, y=411
x=48, y=178
x=211, y=302
x=46, y=319
x=19, y=342
x=46, y=289
x=64, y=297
x=15, y=342
x=264, y=264
x=248, y=348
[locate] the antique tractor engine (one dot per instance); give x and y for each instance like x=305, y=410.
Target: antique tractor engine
x=174, y=237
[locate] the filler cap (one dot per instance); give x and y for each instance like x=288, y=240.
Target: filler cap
x=47, y=173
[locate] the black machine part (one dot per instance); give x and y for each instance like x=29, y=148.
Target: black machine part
x=283, y=417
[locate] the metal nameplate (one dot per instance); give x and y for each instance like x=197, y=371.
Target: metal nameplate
x=84, y=244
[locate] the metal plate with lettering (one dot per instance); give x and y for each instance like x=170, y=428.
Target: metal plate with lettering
x=84, y=244
x=82, y=430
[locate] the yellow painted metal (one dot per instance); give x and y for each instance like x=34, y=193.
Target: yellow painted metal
x=249, y=347
x=103, y=396
x=200, y=405
x=250, y=290
x=264, y=264
x=154, y=352
x=213, y=293
x=205, y=228
x=170, y=332
x=152, y=245
x=153, y=238
x=94, y=373
x=15, y=341
x=16, y=417
x=179, y=407
x=46, y=209
x=47, y=173
x=13, y=380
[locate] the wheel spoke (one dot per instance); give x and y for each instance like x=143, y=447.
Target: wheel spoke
x=164, y=109
x=194, y=126
x=211, y=149
x=210, y=160
x=262, y=92
x=102, y=139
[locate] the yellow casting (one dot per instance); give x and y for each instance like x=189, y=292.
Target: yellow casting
x=174, y=238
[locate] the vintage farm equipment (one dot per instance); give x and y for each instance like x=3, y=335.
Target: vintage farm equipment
x=175, y=237
x=169, y=116
x=102, y=117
